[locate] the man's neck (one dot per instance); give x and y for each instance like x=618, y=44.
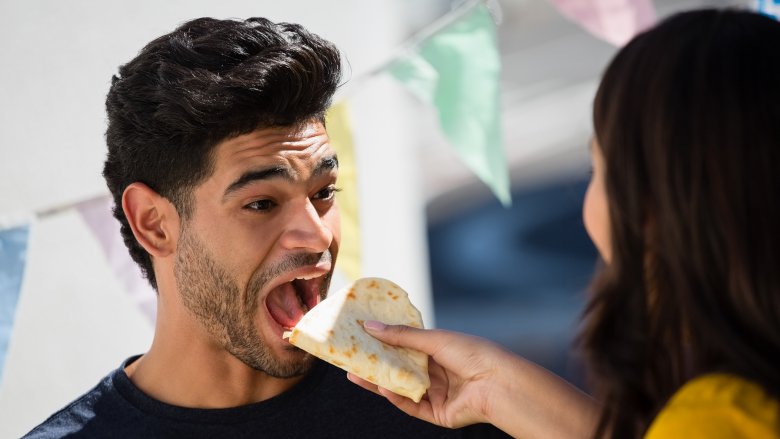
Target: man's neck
x=181, y=370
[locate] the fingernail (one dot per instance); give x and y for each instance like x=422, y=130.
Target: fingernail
x=373, y=325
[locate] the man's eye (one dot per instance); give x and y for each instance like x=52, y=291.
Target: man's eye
x=260, y=205
x=326, y=193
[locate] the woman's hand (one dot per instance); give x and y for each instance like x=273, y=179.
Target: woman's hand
x=463, y=371
x=474, y=380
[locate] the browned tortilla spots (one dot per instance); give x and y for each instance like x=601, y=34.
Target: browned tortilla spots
x=333, y=331
x=404, y=374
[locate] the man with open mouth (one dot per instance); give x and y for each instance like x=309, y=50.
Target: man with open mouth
x=224, y=182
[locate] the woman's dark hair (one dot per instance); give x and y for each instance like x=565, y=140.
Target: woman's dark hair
x=207, y=81
x=687, y=117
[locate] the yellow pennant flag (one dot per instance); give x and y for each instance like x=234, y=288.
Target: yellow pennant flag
x=340, y=133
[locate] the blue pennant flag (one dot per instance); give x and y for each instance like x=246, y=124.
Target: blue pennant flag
x=769, y=7
x=13, y=254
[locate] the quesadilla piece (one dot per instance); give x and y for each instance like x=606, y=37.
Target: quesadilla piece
x=333, y=331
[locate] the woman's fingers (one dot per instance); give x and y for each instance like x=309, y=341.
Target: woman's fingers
x=448, y=348
x=424, y=340
x=421, y=410
x=364, y=384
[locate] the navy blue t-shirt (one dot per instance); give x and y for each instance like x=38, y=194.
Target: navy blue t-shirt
x=323, y=405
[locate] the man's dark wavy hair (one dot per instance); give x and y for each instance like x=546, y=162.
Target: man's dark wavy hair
x=207, y=81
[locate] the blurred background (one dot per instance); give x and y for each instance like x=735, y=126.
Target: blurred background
x=515, y=275
x=519, y=276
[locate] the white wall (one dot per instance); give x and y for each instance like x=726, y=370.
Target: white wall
x=74, y=323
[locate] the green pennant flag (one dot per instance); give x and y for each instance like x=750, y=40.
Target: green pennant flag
x=457, y=70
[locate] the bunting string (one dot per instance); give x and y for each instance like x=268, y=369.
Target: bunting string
x=612, y=20
x=452, y=65
x=355, y=84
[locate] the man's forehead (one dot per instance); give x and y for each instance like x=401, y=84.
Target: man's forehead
x=287, y=153
x=308, y=137
x=298, y=147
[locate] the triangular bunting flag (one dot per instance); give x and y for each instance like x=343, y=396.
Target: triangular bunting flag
x=340, y=134
x=97, y=214
x=13, y=257
x=457, y=71
x=769, y=7
x=614, y=21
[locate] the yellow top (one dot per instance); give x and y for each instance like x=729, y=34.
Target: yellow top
x=718, y=406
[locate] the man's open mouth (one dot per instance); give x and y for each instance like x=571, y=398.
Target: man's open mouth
x=288, y=302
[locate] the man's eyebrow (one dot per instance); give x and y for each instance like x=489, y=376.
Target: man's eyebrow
x=326, y=164
x=261, y=174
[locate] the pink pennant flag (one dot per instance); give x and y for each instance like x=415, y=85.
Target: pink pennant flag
x=615, y=21
x=97, y=214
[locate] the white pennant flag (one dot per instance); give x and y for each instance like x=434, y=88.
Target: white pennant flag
x=97, y=214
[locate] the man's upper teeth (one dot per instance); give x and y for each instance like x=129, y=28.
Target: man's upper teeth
x=306, y=277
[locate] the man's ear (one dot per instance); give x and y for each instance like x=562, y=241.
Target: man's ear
x=153, y=219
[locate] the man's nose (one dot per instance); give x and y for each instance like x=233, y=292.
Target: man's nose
x=305, y=229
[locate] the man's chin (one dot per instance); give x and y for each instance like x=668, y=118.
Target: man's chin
x=294, y=364
x=303, y=364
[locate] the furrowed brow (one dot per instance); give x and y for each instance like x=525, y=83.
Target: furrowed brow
x=262, y=174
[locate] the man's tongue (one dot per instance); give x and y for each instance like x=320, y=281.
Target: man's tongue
x=284, y=305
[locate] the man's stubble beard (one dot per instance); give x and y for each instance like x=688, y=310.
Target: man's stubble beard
x=210, y=293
